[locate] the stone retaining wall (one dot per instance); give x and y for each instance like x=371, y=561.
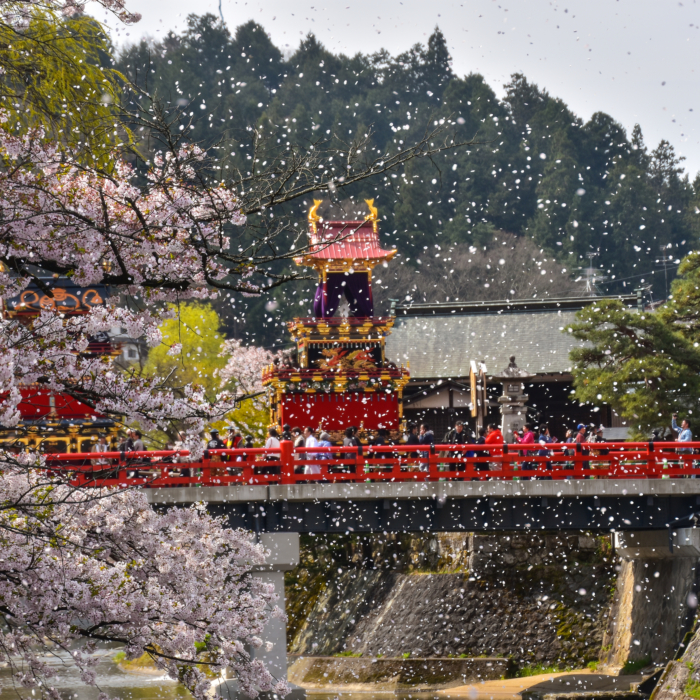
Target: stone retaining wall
x=535, y=598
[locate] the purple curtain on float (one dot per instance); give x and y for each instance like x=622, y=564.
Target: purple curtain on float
x=356, y=289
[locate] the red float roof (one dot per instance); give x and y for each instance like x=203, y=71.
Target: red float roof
x=42, y=404
x=346, y=244
x=355, y=239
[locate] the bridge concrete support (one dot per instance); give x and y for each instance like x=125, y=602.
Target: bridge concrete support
x=655, y=599
x=284, y=556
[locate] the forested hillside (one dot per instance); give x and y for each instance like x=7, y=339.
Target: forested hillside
x=536, y=170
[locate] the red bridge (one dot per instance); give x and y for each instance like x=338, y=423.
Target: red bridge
x=448, y=488
x=395, y=463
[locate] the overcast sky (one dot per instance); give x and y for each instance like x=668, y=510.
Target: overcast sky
x=634, y=59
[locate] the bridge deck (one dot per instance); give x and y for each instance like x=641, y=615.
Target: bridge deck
x=522, y=490
x=593, y=505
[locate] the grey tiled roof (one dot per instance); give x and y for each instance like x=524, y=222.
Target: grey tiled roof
x=442, y=345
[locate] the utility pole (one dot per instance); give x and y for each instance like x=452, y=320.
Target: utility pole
x=592, y=278
x=664, y=262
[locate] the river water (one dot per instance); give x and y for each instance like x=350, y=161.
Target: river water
x=128, y=686
x=111, y=679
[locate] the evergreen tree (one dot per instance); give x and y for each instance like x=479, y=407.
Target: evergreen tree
x=535, y=169
x=641, y=366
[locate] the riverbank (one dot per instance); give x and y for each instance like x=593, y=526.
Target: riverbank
x=567, y=682
x=355, y=674
x=142, y=666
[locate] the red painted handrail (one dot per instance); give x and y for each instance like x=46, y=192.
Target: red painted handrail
x=397, y=463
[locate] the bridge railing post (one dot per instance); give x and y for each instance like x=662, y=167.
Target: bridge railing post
x=433, y=463
x=578, y=461
x=652, y=470
x=507, y=470
x=287, y=461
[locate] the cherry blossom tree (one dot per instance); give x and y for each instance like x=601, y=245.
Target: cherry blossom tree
x=79, y=568
x=161, y=236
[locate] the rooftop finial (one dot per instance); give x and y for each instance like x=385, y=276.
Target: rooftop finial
x=314, y=218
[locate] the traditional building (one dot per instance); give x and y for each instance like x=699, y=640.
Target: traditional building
x=441, y=340
x=340, y=376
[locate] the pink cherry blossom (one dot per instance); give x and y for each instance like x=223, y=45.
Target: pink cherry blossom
x=94, y=566
x=244, y=366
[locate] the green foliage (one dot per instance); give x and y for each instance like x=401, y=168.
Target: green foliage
x=683, y=308
x=251, y=417
x=198, y=329
x=56, y=74
x=536, y=170
x=536, y=670
x=592, y=665
x=692, y=689
x=351, y=654
x=638, y=363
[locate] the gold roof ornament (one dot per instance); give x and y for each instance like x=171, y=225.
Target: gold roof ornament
x=373, y=215
x=314, y=218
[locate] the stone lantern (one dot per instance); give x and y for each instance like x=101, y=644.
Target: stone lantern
x=514, y=399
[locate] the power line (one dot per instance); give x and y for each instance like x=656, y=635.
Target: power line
x=641, y=274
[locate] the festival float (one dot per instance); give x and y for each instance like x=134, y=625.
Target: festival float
x=55, y=422
x=339, y=376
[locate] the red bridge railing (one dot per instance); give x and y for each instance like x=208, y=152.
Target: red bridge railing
x=396, y=463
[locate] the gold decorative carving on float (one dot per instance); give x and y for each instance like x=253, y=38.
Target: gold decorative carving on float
x=63, y=301
x=342, y=359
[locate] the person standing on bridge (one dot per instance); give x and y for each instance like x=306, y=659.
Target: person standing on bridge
x=580, y=439
x=684, y=432
x=526, y=438
x=127, y=445
x=101, y=446
x=299, y=441
x=684, y=435
x=459, y=436
x=494, y=436
x=426, y=437
x=412, y=438
x=272, y=442
x=233, y=439
x=311, y=441
x=351, y=440
x=215, y=443
x=324, y=440
x=138, y=442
